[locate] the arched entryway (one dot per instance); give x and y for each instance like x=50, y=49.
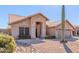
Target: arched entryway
x=38, y=29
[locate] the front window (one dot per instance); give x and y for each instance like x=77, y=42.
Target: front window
x=23, y=31
x=26, y=31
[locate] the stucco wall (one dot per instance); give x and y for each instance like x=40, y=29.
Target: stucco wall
x=76, y=31
x=31, y=23
x=55, y=31
x=15, y=27
x=51, y=31
x=38, y=18
x=68, y=30
x=67, y=26
x=13, y=18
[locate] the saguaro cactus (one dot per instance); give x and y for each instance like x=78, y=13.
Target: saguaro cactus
x=63, y=24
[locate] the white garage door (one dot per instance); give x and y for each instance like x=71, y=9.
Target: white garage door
x=67, y=34
x=59, y=34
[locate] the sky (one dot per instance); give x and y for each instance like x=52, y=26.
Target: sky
x=52, y=12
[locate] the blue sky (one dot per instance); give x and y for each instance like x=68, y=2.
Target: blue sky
x=53, y=12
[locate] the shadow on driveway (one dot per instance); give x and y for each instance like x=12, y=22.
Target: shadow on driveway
x=67, y=49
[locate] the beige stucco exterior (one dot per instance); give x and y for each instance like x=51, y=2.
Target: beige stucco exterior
x=15, y=27
x=51, y=31
x=56, y=30
x=42, y=29
x=68, y=30
x=76, y=31
x=40, y=19
x=31, y=23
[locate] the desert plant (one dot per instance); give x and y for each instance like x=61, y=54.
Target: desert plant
x=7, y=44
x=50, y=37
x=24, y=37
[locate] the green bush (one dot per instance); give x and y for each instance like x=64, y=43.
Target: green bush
x=50, y=37
x=24, y=37
x=7, y=44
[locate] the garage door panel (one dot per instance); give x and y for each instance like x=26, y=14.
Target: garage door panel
x=67, y=34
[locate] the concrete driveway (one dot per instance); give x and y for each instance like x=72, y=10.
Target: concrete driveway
x=46, y=46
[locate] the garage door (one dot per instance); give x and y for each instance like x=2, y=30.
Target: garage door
x=67, y=34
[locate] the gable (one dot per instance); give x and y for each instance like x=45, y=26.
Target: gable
x=38, y=18
x=40, y=15
x=68, y=25
x=25, y=23
x=14, y=19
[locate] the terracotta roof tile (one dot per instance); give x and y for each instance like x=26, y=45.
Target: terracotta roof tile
x=54, y=24
x=16, y=18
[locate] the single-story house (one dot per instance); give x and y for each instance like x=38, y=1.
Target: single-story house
x=4, y=30
x=76, y=31
x=34, y=25
x=38, y=25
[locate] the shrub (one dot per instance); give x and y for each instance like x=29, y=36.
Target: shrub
x=7, y=43
x=50, y=37
x=24, y=37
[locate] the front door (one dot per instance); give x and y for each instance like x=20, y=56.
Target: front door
x=38, y=29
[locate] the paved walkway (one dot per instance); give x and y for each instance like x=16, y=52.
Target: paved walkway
x=46, y=46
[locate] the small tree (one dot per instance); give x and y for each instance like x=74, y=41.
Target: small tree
x=7, y=44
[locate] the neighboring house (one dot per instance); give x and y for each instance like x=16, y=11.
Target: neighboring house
x=76, y=31
x=37, y=25
x=5, y=31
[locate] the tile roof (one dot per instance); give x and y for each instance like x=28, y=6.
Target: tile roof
x=14, y=18
x=54, y=24
x=21, y=18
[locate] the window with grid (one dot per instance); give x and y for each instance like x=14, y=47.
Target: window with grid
x=23, y=31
